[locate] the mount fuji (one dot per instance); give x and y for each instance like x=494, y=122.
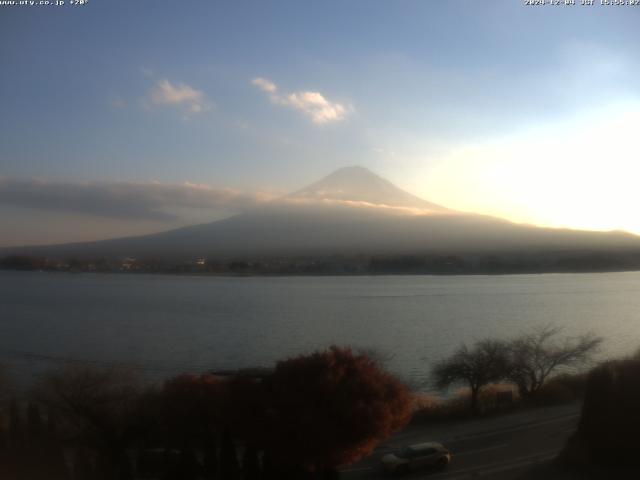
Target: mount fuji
x=350, y=212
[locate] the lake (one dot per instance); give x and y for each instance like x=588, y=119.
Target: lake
x=162, y=324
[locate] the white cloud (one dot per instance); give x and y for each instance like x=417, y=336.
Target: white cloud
x=264, y=84
x=313, y=104
x=182, y=96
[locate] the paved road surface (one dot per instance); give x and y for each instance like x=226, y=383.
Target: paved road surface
x=499, y=448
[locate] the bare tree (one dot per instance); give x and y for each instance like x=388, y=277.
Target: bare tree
x=486, y=362
x=535, y=356
x=97, y=407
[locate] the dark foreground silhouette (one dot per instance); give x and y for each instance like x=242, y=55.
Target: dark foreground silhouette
x=302, y=420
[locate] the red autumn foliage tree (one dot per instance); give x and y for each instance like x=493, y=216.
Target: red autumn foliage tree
x=332, y=408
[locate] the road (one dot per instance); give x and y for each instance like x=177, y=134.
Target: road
x=496, y=448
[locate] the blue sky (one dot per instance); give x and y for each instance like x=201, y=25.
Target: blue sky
x=427, y=94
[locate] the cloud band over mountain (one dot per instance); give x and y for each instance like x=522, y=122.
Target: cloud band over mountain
x=169, y=202
x=125, y=200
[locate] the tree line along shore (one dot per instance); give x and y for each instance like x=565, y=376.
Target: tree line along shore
x=389, y=264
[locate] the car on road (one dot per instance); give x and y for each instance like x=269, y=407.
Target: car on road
x=416, y=457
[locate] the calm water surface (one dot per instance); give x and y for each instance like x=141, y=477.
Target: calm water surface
x=166, y=324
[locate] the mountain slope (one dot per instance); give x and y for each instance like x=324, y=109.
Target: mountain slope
x=327, y=218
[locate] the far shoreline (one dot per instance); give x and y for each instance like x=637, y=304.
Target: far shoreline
x=325, y=275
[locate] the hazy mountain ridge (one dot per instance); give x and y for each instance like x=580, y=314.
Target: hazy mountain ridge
x=358, y=184
x=305, y=224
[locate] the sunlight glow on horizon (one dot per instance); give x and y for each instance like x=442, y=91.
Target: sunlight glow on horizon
x=580, y=173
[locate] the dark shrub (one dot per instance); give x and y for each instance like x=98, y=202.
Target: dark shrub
x=553, y=393
x=608, y=431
